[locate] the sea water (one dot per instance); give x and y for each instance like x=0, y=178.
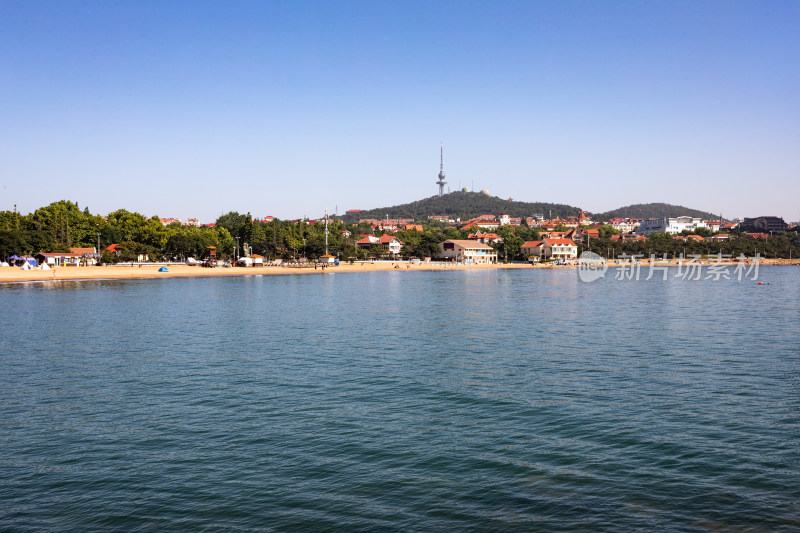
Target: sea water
x=492, y=400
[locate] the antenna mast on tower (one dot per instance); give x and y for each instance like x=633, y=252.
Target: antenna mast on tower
x=441, y=183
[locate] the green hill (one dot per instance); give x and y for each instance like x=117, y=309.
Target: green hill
x=464, y=205
x=655, y=210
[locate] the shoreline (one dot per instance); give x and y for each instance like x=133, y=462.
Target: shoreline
x=145, y=271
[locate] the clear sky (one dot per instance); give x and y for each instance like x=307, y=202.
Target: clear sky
x=193, y=109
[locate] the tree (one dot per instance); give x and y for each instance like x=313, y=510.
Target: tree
x=11, y=242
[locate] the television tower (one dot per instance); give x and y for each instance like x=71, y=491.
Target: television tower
x=441, y=183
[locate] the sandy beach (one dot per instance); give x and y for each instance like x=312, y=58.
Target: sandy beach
x=14, y=274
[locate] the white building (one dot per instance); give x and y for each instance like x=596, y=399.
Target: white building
x=669, y=225
x=625, y=225
x=467, y=251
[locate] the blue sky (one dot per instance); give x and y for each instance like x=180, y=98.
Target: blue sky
x=193, y=109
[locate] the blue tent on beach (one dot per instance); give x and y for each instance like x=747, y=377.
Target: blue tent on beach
x=163, y=269
x=30, y=260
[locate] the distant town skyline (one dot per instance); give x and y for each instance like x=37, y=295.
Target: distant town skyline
x=197, y=109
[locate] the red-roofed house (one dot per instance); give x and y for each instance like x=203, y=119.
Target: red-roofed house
x=591, y=233
x=82, y=250
x=485, y=238
x=531, y=250
x=696, y=238
x=387, y=243
x=562, y=249
x=628, y=237
x=720, y=237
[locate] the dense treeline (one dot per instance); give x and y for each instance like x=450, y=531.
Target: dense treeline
x=62, y=225
x=784, y=246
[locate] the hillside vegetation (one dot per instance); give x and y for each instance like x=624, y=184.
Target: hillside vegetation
x=655, y=210
x=464, y=205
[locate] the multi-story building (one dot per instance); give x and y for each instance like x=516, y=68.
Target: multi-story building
x=467, y=251
x=562, y=249
x=669, y=225
x=625, y=225
x=763, y=224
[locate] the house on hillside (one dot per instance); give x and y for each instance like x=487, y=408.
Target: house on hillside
x=720, y=237
x=485, y=222
x=467, y=251
x=625, y=225
x=628, y=237
x=578, y=234
x=485, y=238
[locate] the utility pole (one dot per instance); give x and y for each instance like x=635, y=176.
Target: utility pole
x=326, y=231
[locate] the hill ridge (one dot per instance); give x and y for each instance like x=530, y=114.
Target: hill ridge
x=466, y=205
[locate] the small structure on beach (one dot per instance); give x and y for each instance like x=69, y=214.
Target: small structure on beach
x=327, y=259
x=258, y=260
x=58, y=259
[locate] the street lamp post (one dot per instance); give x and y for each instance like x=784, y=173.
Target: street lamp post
x=237, y=249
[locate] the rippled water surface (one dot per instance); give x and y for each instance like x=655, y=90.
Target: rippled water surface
x=510, y=400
